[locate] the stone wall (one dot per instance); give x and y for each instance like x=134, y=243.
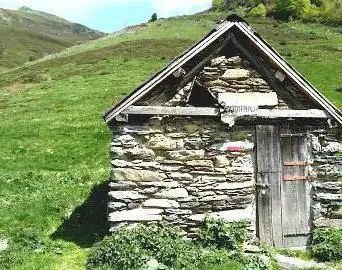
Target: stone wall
x=327, y=184
x=175, y=170
x=228, y=75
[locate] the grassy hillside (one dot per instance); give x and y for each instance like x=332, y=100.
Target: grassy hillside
x=54, y=144
x=29, y=34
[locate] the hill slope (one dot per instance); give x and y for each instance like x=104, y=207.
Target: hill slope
x=28, y=34
x=54, y=144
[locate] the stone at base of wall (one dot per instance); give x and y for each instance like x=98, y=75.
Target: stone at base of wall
x=247, y=214
x=136, y=215
x=328, y=223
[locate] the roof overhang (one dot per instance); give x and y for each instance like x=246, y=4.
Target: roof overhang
x=231, y=22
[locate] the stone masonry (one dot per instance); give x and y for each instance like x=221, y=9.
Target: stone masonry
x=327, y=184
x=175, y=170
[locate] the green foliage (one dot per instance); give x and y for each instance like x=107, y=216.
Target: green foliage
x=132, y=248
x=259, y=11
x=286, y=9
x=154, y=17
x=326, y=244
x=218, y=233
x=218, y=5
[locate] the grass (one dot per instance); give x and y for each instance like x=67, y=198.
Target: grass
x=306, y=256
x=31, y=35
x=54, y=144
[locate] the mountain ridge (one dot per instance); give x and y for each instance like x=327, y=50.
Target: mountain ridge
x=32, y=34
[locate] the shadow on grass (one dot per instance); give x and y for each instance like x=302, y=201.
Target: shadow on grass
x=88, y=223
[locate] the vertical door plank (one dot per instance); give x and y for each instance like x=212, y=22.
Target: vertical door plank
x=295, y=194
x=269, y=172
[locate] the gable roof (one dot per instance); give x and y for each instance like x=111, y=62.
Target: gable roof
x=231, y=22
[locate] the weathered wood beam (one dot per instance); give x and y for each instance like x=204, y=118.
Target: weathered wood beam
x=177, y=111
x=271, y=113
x=209, y=111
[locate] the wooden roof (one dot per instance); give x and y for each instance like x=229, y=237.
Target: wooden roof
x=235, y=24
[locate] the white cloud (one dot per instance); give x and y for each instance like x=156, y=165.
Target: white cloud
x=171, y=7
x=80, y=10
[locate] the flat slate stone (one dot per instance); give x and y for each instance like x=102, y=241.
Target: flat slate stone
x=136, y=215
x=173, y=193
x=236, y=74
x=181, y=176
x=161, y=203
x=233, y=186
x=160, y=142
x=124, y=195
x=163, y=184
x=122, y=174
x=186, y=154
x=328, y=223
x=229, y=216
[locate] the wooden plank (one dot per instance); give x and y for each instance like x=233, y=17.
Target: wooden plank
x=295, y=194
x=273, y=113
x=159, y=110
x=209, y=111
x=297, y=163
x=297, y=178
x=269, y=173
x=293, y=135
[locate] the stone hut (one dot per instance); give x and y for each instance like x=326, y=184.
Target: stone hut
x=228, y=129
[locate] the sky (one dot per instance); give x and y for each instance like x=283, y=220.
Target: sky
x=111, y=15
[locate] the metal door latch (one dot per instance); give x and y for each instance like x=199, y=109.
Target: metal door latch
x=262, y=187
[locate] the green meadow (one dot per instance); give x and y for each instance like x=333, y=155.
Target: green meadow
x=54, y=144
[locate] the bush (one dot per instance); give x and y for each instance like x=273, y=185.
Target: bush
x=137, y=248
x=218, y=233
x=326, y=244
x=133, y=248
x=286, y=9
x=259, y=11
x=218, y=5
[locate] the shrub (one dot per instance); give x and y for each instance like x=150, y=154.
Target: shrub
x=218, y=233
x=218, y=5
x=326, y=244
x=259, y=11
x=339, y=88
x=133, y=248
x=285, y=9
x=139, y=247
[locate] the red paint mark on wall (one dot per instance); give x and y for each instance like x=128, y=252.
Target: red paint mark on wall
x=235, y=148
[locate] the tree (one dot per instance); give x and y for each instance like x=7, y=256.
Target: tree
x=218, y=5
x=154, y=17
x=291, y=8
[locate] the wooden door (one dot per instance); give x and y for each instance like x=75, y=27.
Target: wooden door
x=282, y=186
